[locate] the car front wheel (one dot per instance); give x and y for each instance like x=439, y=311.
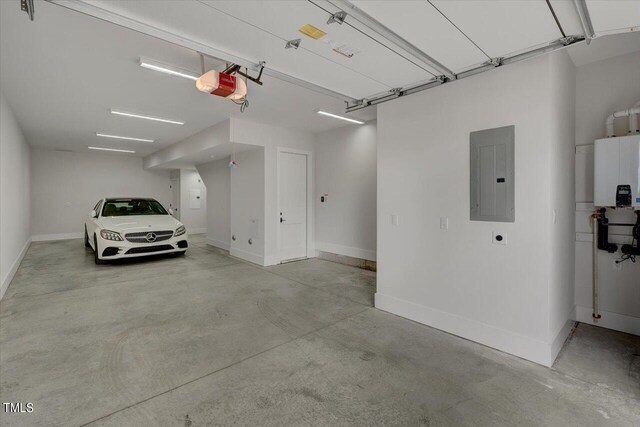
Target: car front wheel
x=95, y=251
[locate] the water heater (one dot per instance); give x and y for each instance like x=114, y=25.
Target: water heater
x=617, y=172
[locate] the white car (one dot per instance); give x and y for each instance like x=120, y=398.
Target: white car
x=132, y=227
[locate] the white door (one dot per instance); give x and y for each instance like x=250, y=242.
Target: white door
x=175, y=198
x=293, y=206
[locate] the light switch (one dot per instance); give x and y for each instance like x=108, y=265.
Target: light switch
x=395, y=220
x=444, y=223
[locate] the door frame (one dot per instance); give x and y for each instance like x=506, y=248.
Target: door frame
x=310, y=198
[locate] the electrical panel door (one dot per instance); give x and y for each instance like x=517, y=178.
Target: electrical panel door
x=492, y=174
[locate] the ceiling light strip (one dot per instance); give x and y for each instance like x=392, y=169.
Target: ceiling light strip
x=168, y=69
x=377, y=27
x=111, y=149
x=145, y=117
x=128, y=138
x=141, y=27
x=380, y=98
x=335, y=116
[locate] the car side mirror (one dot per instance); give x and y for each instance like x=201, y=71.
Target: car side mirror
x=93, y=214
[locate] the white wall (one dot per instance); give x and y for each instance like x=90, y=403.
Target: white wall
x=248, y=206
x=601, y=88
x=345, y=168
x=562, y=188
x=194, y=219
x=66, y=186
x=458, y=280
x=271, y=138
x=216, y=177
x=15, y=195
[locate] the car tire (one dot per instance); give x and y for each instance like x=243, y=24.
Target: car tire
x=96, y=258
x=86, y=238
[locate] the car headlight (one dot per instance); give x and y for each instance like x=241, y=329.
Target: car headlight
x=110, y=235
x=180, y=231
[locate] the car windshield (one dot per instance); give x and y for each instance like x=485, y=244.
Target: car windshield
x=126, y=207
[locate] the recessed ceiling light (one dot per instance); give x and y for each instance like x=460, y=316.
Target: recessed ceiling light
x=142, y=116
x=168, y=69
x=111, y=149
x=129, y=138
x=335, y=116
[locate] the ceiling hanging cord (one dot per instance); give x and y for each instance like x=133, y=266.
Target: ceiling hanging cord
x=232, y=161
x=244, y=102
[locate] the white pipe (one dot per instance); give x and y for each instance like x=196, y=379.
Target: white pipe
x=634, y=111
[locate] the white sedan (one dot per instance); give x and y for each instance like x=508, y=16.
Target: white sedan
x=125, y=228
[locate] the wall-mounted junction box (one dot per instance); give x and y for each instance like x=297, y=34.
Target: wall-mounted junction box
x=616, y=173
x=492, y=174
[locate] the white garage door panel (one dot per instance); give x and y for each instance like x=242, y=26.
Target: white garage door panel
x=568, y=16
x=502, y=28
x=284, y=18
x=196, y=21
x=614, y=15
x=423, y=26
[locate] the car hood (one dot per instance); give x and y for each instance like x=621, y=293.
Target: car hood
x=138, y=223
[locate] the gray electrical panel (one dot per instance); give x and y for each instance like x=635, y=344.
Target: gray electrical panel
x=492, y=174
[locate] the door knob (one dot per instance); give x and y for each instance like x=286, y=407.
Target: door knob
x=282, y=219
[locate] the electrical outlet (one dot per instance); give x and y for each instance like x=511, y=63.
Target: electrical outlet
x=444, y=223
x=499, y=238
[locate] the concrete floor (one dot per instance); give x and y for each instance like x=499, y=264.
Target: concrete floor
x=208, y=340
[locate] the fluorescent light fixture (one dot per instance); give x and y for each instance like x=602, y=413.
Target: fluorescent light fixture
x=142, y=116
x=335, y=116
x=129, y=138
x=168, y=69
x=111, y=149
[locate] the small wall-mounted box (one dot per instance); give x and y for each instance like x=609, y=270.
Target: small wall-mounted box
x=616, y=173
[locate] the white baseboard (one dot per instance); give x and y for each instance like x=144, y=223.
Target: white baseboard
x=346, y=250
x=247, y=256
x=197, y=230
x=561, y=336
x=500, y=339
x=271, y=260
x=14, y=268
x=615, y=321
x=218, y=244
x=60, y=236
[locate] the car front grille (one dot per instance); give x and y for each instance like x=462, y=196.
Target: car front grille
x=144, y=236
x=149, y=249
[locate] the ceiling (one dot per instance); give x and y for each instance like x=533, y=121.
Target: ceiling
x=605, y=47
x=441, y=36
x=62, y=73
